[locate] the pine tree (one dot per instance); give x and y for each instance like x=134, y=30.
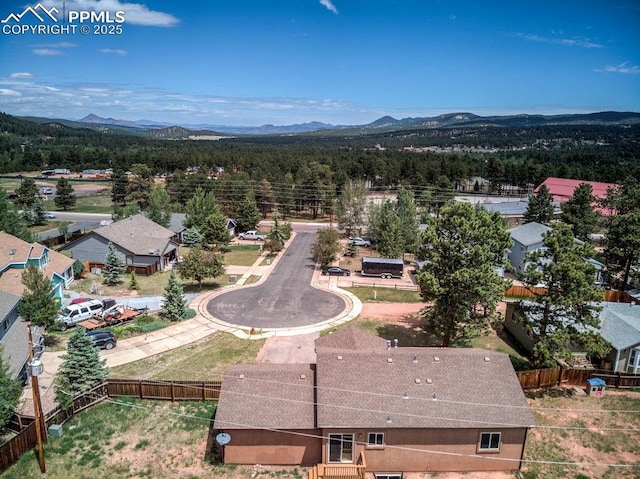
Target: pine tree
x=352, y=206
x=540, y=207
x=10, y=391
x=133, y=281
x=192, y=237
x=462, y=249
x=175, y=306
x=578, y=212
x=408, y=216
x=65, y=199
x=27, y=193
x=564, y=313
x=120, y=185
x=247, y=214
x=10, y=220
x=81, y=368
x=37, y=213
x=38, y=305
x=113, y=267
x=389, y=232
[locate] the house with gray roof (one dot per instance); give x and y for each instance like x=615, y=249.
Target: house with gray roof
x=139, y=241
x=370, y=406
x=619, y=326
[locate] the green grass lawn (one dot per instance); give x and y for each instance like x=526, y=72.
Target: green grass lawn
x=241, y=254
x=87, y=204
x=50, y=225
x=204, y=360
x=388, y=295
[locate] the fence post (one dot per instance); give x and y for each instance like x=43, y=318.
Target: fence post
x=172, y=392
x=140, y=388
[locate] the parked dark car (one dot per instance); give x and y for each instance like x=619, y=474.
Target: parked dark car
x=335, y=271
x=103, y=338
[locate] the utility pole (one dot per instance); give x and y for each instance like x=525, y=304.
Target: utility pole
x=35, y=367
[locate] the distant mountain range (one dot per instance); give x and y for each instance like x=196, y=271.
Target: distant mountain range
x=160, y=130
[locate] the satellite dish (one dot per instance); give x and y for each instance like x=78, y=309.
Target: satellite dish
x=223, y=438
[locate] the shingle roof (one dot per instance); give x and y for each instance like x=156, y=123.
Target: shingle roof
x=10, y=244
x=620, y=324
x=529, y=234
x=257, y=396
x=562, y=188
x=364, y=388
x=137, y=234
x=368, y=390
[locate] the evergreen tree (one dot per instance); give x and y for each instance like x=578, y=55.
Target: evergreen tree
x=199, y=264
x=175, y=306
x=578, y=212
x=65, y=199
x=80, y=370
x=622, y=240
x=159, y=209
x=78, y=268
x=564, y=313
x=122, y=212
x=408, y=216
x=540, y=207
x=443, y=193
x=247, y=214
x=27, y=193
x=133, y=281
x=10, y=220
x=38, y=304
x=389, y=232
x=38, y=217
x=113, y=267
x=326, y=247
x=140, y=184
x=119, y=187
x=192, y=237
x=352, y=206
x=462, y=249
x=10, y=391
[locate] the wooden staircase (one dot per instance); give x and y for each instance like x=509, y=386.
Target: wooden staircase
x=339, y=471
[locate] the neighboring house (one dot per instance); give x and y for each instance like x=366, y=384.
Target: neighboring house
x=619, y=325
x=176, y=224
x=529, y=237
x=513, y=211
x=16, y=255
x=138, y=240
x=396, y=409
x=562, y=189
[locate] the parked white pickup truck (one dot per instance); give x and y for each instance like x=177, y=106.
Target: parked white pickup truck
x=252, y=235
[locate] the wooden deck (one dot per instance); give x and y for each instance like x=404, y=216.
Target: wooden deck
x=340, y=471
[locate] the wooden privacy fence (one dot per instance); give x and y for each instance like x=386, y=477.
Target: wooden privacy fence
x=25, y=440
x=550, y=377
x=610, y=295
x=167, y=390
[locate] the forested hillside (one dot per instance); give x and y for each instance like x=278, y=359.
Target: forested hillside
x=514, y=155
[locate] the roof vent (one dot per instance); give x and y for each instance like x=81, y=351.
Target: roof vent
x=389, y=360
x=405, y=396
x=241, y=376
x=434, y=397
x=389, y=421
x=303, y=376
x=415, y=359
x=12, y=251
x=395, y=343
x=436, y=359
x=487, y=359
x=418, y=381
x=429, y=381
x=388, y=344
x=339, y=358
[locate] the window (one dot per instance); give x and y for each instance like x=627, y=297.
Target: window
x=489, y=441
x=388, y=475
x=340, y=447
x=375, y=439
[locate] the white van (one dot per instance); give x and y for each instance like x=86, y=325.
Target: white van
x=75, y=313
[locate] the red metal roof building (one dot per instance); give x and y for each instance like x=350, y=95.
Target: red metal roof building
x=562, y=189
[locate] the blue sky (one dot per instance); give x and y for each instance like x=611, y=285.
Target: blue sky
x=254, y=62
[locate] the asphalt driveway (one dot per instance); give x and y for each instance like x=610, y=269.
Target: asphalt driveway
x=286, y=299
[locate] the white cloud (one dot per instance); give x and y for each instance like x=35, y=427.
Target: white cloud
x=329, y=6
x=559, y=41
x=135, y=13
x=7, y=92
x=21, y=75
x=622, y=68
x=117, y=51
x=50, y=52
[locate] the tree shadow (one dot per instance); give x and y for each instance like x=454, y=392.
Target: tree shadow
x=409, y=334
x=557, y=392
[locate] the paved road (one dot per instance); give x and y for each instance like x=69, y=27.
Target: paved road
x=286, y=299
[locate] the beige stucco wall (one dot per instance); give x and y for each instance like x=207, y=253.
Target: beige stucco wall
x=301, y=448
